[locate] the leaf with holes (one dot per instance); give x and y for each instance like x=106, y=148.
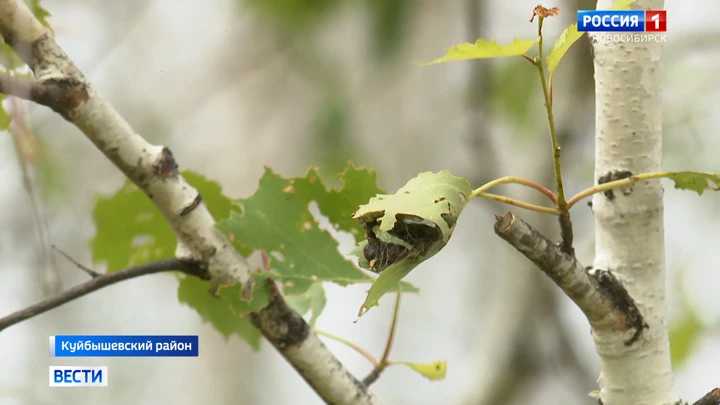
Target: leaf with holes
x=695, y=181
x=278, y=219
x=406, y=228
x=483, y=49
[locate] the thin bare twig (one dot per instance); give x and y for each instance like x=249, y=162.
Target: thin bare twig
x=97, y=283
x=28, y=153
x=90, y=272
x=384, y=362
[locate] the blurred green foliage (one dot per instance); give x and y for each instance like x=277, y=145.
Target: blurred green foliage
x=684, y=336
x=331, y=136
x=388, y=18
x=511, y=92
x=293, y=15
x=389, y=21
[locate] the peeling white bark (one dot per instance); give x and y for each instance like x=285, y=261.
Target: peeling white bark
x=153, y=169
x=629, y=226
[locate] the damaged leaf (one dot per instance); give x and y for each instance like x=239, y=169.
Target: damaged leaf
x=277, y=219
x=406, y=228
x=695, y=181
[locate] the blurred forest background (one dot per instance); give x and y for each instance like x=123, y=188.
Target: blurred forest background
x=232, y=86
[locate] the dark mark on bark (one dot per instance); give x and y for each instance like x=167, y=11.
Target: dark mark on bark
x=282, y=326
x=192, y=206
x=622, y=303
x=166, y=166
x=612, y=176
x=62, y=95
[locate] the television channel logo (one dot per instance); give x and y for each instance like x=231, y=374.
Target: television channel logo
x=622, y=20
x=78, y=376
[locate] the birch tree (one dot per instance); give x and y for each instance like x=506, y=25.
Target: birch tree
x=623, y=293
x=629, y=230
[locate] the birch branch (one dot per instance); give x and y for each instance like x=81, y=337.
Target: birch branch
x=60, y=85
x=712, y=398
x=596, y=292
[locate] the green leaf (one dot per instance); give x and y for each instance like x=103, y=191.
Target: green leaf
x=260, y=295
x=387, y=282
x=406, y=228
x=563, y=43
x=339, y=205
x=277, y=220
x=695, y=181
x=622, y=4
x=216, y=311
x=404, y=287
x=482, y=49
x=40, y=13
x=131, y=231
x=430, y=200
x=4, y=117
x=313, y=300
x=432, y=371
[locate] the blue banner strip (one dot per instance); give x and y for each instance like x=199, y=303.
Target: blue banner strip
x=123, y=346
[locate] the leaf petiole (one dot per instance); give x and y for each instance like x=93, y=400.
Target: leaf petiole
x=517, y=203
x=517, y=180
x=350, y=344
x=384, y=362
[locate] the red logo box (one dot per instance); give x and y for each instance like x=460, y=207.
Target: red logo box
x=655, y=21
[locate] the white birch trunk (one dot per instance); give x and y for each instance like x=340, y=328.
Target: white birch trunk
x=629, y=226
